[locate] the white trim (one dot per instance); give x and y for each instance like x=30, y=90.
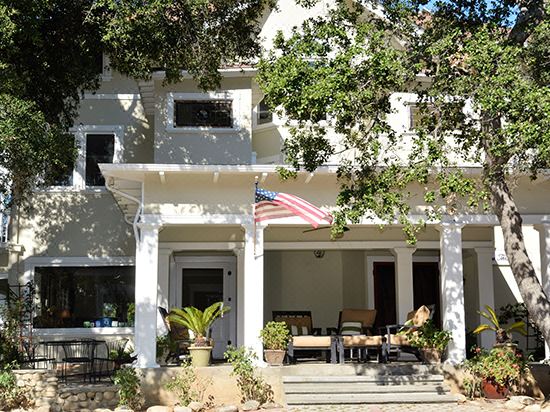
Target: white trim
x=180, y=246
x=111, y=96
x=82, y=331
x=3, y=275
x=367, y=244
x=228, y=95
x=106, y=72
x=229, y=72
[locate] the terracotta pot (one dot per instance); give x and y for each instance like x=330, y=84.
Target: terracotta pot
x=274, y=357
x=200, y=355
x=431, y=355
x=494, y=391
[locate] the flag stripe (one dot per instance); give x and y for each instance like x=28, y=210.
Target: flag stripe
x=303, y=204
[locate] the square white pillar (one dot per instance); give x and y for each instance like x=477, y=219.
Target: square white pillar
x=165, y=255
x=486, y=290
x=404, y=291
x=452, y=290
x=544, y=233
x=253, y=289
x=146, y=287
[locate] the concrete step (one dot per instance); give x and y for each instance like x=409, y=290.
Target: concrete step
x=375, y=379
x=331, y=388
x=366, y=398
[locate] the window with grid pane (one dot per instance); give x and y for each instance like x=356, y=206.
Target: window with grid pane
x=100, y=148
x=203, y=113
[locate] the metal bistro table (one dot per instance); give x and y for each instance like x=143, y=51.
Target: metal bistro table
x=76, y=357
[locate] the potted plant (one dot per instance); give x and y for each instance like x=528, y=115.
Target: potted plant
x=275, y=337
x=503, y=334
x=430, y=341
x=121, y=356
x=495, y=372
x=199, y=322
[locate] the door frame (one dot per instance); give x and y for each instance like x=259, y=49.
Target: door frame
x=228, y=264
x=369, y=273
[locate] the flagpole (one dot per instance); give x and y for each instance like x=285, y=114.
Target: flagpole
x=254, y=212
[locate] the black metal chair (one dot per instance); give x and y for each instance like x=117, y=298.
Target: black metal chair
x=78, y=353
x=178, y=338
x=108, y=358
x=37, y=356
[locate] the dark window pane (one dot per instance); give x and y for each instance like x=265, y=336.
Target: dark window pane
x=74, y=296
x=100, y=148
x=264, y=114
x=211, y=113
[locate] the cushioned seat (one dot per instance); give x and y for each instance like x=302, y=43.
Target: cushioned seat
x=311, y=341
x=362, y=341
x=399, y=341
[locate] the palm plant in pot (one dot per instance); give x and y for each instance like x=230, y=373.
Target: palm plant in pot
x=275, y=337
x=199, y=323
x=430, y=341
x=503, y=333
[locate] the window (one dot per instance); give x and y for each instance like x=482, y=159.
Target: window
x=203, y=113
x=100, y=148
x=77, y=296
x=97, y=144
x=264, y=114
x=416, y=115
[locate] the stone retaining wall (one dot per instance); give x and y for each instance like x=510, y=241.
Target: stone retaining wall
x=49, y=394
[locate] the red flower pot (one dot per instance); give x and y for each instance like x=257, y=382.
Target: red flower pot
x=493, y=390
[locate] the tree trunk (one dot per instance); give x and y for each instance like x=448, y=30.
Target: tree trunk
x=530, y=288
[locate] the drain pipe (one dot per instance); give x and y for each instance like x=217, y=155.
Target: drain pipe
x=111, y=188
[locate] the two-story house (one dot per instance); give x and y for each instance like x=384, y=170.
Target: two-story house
x=158, y=212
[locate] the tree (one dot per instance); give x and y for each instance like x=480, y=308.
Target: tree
x=50, y=52
x=480, y=70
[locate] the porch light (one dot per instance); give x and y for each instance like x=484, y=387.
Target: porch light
x=319, y=254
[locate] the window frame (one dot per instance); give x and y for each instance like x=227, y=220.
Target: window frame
x=42, y=261
x=79, y=172
x=172, y=98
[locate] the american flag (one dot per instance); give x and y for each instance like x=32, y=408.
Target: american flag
x=275, y=205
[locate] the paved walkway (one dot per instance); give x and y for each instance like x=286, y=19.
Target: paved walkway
x=476, y=406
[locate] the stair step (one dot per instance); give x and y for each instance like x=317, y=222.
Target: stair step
x=382, y=379
x=359, y=387
x=374, y=398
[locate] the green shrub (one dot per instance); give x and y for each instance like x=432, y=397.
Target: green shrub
x=275, y=335
x=251, y=385
x=188, y=387
x=11, y=396
x=129, y=391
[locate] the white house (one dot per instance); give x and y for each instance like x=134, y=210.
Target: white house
x=158, y=211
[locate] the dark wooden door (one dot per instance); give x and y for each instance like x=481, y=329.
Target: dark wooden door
x=384, y=293
x=426, y=287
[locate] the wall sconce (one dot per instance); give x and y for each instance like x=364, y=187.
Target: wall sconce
x=319, y=254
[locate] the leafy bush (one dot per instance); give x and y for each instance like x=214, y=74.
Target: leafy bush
x=428, y=336
x=502, y=366
x=252, y=386
x=188, y=387
x=275, y=336
x=11, y=396
x=129, y=391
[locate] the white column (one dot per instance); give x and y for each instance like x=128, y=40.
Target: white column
x=253, y=289
x=452, y=290
x=544, y=231
x=404, y=292
x=486, y=290
x=146, y=286
x=164, y=258
x=239, y=253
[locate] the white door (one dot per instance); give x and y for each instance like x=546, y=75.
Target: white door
x=203, y=280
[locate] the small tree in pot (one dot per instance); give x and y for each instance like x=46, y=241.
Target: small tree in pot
x=275, y=337
x=199, y=322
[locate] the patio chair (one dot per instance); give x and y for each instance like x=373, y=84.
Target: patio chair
x=355, y=330
x=179, y=340
x=399, y=342
x=78, y=354
x=104, y=365
x=305, y=338
x=34, y=359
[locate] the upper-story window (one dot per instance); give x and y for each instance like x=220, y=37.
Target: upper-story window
x=203, y=113
x=96, y=144
x=416, y=115
x=264, y=115
x=196, y=112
